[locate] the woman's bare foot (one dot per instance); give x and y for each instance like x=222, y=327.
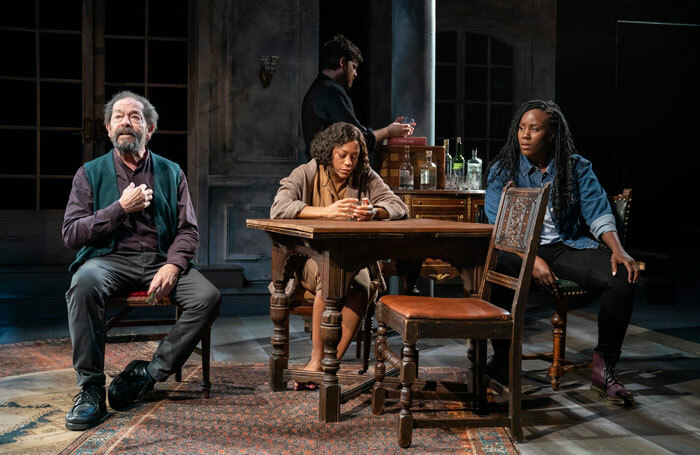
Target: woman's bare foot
x=313, y=365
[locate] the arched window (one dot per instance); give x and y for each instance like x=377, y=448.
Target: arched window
x=475, y=90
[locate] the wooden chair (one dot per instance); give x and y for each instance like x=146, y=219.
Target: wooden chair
x=302, y=303
x=560, y=365
x=128, y=302
x=517, y=230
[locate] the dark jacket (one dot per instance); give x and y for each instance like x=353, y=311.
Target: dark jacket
x=326, y=103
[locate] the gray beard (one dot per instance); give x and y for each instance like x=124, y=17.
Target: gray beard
x=132, y=147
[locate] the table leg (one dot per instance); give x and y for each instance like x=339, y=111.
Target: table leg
x=329, y=396
x=279, y=313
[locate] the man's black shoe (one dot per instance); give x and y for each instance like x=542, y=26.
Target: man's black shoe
x=132, y=383
x=89, y=409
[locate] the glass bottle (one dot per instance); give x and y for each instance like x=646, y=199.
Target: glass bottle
x=406, y=171
x=474, y=171
x=428, y=172
x=448, y=158
x=458, y=162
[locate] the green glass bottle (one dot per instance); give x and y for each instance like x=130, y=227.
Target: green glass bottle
x=458, y=161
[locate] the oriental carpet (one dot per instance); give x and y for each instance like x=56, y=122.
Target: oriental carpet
x=242, y=416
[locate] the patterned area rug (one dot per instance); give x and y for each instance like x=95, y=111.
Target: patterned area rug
x=37, y=384
x=242, y=415
x=57, y=354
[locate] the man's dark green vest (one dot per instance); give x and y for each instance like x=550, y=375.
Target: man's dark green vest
x=102, y=178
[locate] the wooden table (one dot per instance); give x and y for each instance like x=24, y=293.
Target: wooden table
x=341, y=249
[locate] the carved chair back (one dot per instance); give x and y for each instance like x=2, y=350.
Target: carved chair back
x=517, y=230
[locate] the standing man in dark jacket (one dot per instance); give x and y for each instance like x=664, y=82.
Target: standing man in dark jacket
x=131, y=216
x=327, y=102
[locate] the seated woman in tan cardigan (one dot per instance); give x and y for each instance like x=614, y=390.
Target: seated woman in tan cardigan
x=330, y=186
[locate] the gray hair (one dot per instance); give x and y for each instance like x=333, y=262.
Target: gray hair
x=149, y=112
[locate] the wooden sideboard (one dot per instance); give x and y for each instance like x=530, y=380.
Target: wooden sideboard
x=453, y=205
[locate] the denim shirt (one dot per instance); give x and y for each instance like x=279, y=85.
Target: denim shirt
x=588, y=201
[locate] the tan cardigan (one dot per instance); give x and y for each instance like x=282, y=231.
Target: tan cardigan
x=295, y=193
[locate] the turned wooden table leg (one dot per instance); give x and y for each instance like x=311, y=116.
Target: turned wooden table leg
x=329, y=399
x=279, y=314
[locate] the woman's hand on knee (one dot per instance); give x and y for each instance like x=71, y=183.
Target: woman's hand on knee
x=621, y=257
x=543, y=275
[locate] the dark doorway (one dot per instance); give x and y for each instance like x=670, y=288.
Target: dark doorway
x=657, y=96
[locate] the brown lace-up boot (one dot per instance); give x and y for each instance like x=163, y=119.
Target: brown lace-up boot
x=604, y=380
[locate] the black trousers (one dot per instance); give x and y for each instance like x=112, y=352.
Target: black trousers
x=592, y=270
x=101, y=277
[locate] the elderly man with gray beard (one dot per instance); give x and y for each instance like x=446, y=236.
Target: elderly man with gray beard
x=131, y=217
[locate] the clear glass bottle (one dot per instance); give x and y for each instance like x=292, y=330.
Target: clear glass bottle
x=406, y=171
x=428, y=172
x=474, y=171
x=458, y=161
x=448, y=158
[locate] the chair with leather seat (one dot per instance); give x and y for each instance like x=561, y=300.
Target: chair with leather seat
x=517, y=230
x=566, y=289
x=127, y=302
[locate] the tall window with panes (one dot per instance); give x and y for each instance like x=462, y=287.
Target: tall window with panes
x=474, y=91
x=61, y=60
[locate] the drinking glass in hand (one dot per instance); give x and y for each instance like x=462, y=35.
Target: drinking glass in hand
x=365, y=204
x=351, y=216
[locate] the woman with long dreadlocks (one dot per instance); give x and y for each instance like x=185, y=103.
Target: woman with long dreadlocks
x=539, y=149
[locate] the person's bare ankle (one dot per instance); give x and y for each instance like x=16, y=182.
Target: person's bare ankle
x=313, y=365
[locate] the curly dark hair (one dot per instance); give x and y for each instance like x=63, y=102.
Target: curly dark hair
x=508, y=158
x=335, y=49
x=336, y=135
